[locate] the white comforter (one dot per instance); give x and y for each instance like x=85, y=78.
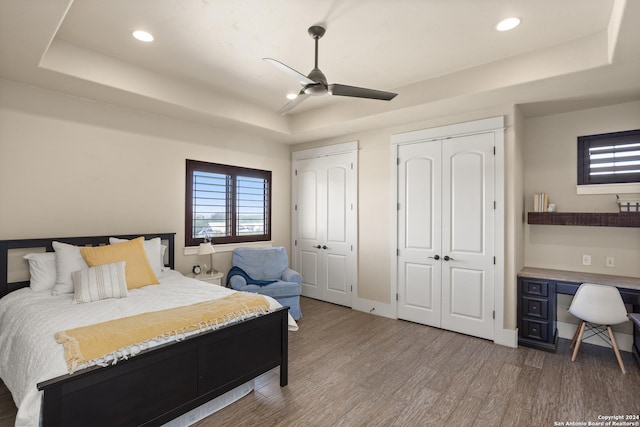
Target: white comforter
x=29, y=354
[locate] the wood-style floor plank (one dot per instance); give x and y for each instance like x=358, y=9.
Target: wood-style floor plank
x=349, y=368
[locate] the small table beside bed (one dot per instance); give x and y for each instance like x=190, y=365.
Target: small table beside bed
x=226, y=341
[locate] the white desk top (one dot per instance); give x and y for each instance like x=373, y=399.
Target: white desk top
x=580, y=277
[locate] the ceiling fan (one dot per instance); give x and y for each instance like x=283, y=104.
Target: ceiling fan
x=315, y=84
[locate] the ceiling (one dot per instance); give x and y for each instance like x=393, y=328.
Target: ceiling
x=441, y=57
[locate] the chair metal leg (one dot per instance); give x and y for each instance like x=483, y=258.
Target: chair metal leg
x=615, y=349
x=579, y=340
x=575, y=337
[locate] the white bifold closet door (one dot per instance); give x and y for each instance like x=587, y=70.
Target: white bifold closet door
x=446, y=233
x=325, y=231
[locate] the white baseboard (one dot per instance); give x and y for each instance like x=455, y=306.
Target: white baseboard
x=624, y=341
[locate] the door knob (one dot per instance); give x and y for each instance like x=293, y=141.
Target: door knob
x=436, y=257
x=325, y=247
x=318, y=247
x=447, y=258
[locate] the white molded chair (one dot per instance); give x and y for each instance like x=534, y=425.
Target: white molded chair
x=601, y=306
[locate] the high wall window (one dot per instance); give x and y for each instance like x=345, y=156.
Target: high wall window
x=609, y=158
x=227, y=204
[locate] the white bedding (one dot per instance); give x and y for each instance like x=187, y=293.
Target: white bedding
x=28, y=321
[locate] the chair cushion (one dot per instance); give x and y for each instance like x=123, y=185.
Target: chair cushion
x=278, y=289
x=262, y=263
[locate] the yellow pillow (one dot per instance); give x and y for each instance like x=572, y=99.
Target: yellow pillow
x=137, y=268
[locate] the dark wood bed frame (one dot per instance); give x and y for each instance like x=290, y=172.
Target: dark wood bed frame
x=161, y=384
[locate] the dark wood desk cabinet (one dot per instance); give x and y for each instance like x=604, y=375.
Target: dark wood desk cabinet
x=537, y=313
x=537, y=303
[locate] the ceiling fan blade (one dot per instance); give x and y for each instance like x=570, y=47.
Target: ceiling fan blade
x=289, y=105
x=293, y=73
x=360, y=92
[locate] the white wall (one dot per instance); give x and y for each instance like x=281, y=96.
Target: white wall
x=551, y=167
x=72, y=167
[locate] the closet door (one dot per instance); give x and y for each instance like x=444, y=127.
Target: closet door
x=468, y=235
x=309, y=208
x=419, y=234
x=445, y=233
x=324, y=199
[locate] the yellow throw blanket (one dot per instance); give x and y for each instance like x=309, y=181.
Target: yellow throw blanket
x=117, y=339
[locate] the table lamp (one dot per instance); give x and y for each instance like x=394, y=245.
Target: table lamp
x=207, y=249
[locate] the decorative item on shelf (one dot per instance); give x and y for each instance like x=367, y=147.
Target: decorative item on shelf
x=206, y=248
x=551, y=207
x=540, y=202
x=628, y=204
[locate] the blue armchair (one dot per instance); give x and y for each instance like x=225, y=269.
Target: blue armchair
x=263, y=264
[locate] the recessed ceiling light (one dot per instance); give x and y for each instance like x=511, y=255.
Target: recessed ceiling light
x=292, y=96
x=143, y=36
x=508, y=24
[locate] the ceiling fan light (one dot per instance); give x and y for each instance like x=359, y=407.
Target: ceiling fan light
x=508, y=24
x=316, y=89
x=143, y=36
x=292, y=96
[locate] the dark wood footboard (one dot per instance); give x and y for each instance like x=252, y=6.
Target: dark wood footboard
x=163, y=383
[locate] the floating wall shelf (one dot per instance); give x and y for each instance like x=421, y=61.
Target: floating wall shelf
x=606, y=219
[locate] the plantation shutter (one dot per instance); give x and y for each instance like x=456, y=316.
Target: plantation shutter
x=226, y=204
x=609, y=158
x=211, y=211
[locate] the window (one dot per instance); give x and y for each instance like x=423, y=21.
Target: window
x=228, y=204
x=609, y=158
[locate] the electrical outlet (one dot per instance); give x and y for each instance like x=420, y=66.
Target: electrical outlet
x=609, y=262
x=586, y=259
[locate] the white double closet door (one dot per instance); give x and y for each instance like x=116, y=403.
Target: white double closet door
x=325, y=225
x=446, y=233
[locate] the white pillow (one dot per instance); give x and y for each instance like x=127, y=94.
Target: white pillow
x=100, y=282
x=162, y=251
x=153, y=249
x=68, y=260
x=42, y=270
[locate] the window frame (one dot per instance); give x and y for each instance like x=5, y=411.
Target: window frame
x=612, y=138
x=231, y=201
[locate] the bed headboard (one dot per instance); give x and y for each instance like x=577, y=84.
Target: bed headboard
x=6, y=246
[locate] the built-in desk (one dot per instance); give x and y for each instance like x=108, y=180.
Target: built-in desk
x=537, y=301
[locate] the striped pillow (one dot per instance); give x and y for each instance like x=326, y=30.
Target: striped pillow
x=100, y=282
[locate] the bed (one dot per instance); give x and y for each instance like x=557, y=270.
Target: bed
x=151, y=386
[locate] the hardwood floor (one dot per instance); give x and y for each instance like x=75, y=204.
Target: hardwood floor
x=348, y=368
